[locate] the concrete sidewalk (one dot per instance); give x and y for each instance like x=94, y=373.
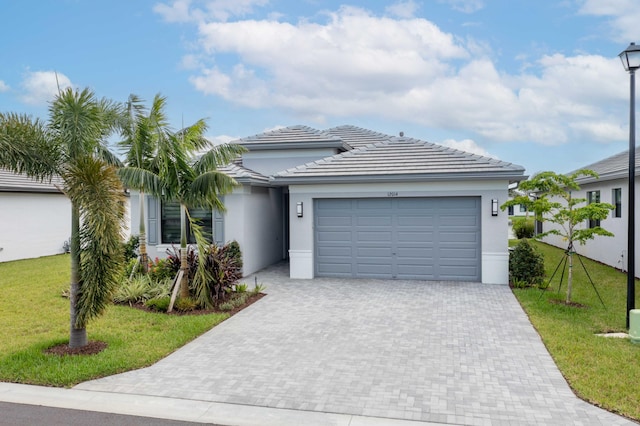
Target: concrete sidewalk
x=353, y=352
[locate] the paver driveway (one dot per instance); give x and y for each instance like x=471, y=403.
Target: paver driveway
x=458, y=353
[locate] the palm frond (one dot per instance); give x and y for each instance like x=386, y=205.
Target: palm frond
x=95, y=188
x=141, y=179
x=218, y=156
x=26, y=147
x=207, y=188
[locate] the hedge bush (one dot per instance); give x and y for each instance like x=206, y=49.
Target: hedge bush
x=526, y=265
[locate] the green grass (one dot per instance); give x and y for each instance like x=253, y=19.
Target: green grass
x=603, y=371
x=34, y=317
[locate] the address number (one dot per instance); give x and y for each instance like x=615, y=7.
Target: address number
x=392, y=194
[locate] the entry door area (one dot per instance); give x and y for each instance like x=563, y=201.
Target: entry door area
x=398, y=238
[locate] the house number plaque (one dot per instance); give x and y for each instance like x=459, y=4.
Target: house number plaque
x=392, y=194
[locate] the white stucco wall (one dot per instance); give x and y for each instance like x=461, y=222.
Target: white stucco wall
x=33, y=224
x=254, y=218
x=609, y=250
x=494, y=244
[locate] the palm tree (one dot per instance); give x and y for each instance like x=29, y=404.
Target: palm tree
x=141, y=131
x=193, y=182
x=72, y=145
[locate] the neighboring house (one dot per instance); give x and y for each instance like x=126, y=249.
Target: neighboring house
x=351, y=202
x=35, y=217
x=612, y=187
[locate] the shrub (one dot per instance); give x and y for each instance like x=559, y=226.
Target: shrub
x=526, y=265
x=222, y=272
x=226, y=306
x=233, y=250
x=161, y=270
x=130, y=247
x=173, y=259
x=139, y=289
x=160, y=304
x=185, y=304
x=523, y=227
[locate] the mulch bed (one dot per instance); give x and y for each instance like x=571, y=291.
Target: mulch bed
x=96, y=346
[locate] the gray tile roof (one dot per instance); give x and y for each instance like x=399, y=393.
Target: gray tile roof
x=242, y=174
x=614, y=167
x=399, y=158
x=292, y=137
x=12, y=182
x=357, y=136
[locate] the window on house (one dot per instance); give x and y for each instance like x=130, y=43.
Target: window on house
x=616, y=200
x=170, y=222
x=593, y=197
x=510, y=210
x=523, y=209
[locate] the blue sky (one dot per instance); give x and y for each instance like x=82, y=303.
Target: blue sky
x=536, y=83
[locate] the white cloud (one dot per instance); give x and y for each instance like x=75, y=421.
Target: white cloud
x=623, y=15
x=403, y=9
x=467, y=145
x=219, y=10
x=465, y=6
x=221, y=139
x=359, y=64
x=39, y=87
x=4, y=87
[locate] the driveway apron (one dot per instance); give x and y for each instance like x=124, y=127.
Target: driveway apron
x=448, y=352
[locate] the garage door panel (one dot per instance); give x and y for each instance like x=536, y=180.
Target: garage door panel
x=412, y=238
x=415, y=236
x=457, y=237
x=376, y=204
x=335, y=221
x=335, y=269
x=455, y=272
x=374, y=270
x=458, y=253
x=339, y=251
x=374, y=221
x=336, y=236
x=374, y=252
x=366, y=236
x=425, y=221
x=423, y=253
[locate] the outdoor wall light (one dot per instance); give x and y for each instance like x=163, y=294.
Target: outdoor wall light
x=494, y=207
x=299, y=208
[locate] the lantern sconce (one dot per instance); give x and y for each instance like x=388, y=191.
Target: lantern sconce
x=299, y=208
x=494, y=207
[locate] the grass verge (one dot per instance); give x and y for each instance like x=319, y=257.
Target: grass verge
x=34, y=317
x=602, y=371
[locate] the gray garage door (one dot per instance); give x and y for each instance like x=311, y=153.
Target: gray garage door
x=404, y=238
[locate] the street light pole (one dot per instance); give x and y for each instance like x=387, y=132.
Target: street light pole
x=631, y=61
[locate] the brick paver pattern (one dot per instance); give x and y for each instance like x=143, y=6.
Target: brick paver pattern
x=449, y=352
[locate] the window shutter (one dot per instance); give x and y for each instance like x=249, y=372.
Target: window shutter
x=152, y=220
x=218, y=228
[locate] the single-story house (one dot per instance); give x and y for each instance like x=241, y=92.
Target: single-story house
x=612, y=187
x=351, y=202
x=35, y=217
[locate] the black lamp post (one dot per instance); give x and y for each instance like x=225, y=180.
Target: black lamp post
x=631, y=61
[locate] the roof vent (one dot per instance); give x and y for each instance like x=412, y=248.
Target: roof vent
x=401, y=134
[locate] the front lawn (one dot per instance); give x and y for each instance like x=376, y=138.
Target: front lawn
x=34, y=316
x=603, y=371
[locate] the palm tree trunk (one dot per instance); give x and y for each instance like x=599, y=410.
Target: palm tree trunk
x=77, y=336
x=142, y=238
x=184, y=265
